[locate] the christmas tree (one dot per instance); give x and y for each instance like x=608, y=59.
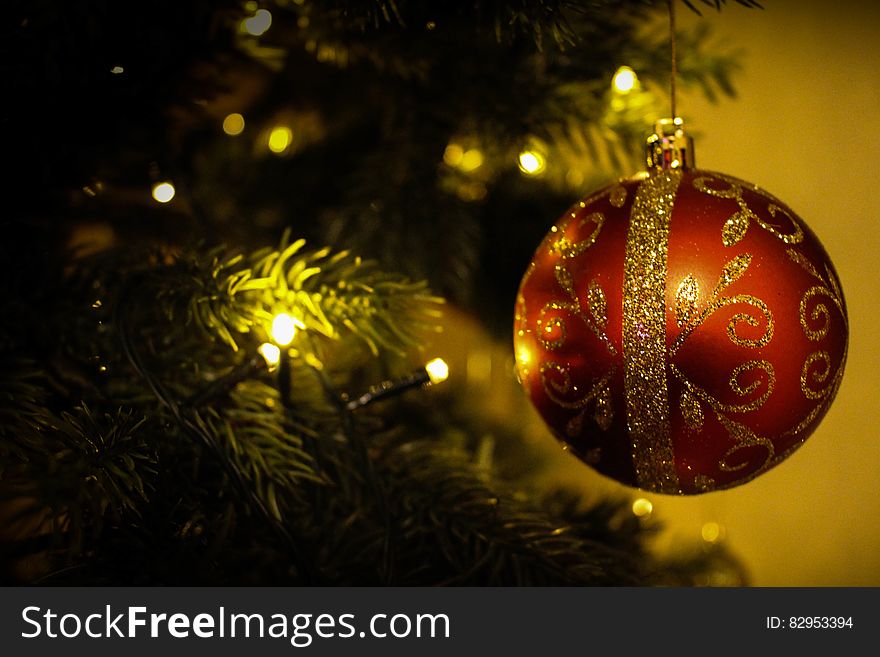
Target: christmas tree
x=236, y=231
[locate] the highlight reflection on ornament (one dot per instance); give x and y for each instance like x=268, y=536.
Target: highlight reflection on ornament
x=685, y=330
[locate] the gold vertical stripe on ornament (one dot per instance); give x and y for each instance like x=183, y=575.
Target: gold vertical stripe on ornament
x=644, y=332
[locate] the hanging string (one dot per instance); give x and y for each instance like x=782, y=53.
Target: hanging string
x=674, y=73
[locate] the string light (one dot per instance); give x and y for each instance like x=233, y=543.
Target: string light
x=434, y=372
x=624, y=80
x=280, y=139
x=266, y=359
x=233, y=124
x=438, y=370
x=259, y=23
x=531, y=163
x=163, y=192
x=283, y=329
x=271, y=353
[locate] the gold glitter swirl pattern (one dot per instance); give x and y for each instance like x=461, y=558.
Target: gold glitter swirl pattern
x=568, y=249
x=689, y=319
x=596, y=301
x=737, y=224
x=598, y=304
x=809, y=374
x=829, y=288
x=554, y=388
x=820, y=313
x=554, y=326
x=838, y=294
x=744, y=437
x=733, y=270
x=737, y=387
x=644, y=332
x=687, y=297
x=790, y=238
x=552, y=332
x=603, y=413
x=799, y=258
x=566, y=282
x=696, y=392
x=556, y=381
x=691, y=411
x=825, y=396
x=750, y=320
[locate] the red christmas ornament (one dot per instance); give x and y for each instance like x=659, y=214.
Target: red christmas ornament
x=681, y=331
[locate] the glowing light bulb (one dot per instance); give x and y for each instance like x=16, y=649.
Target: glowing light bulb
x=233, y=124
x=116, y=70
x=283, y=329
x=531, y=163
x=642, y=507
x=624, y=80
x=438, y=370
x=163, y=192
x=280, y=139
x=271, y=353
x=259, y=23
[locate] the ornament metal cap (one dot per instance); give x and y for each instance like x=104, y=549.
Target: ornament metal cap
x=669, y=147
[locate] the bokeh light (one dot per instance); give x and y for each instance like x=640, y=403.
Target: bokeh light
x=280, y=139
x=531, y=163
x=259, y=23
x=163, y=192
x=624, y=80
x=233, y=124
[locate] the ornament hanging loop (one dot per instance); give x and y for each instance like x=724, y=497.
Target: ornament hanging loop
x=669, y=147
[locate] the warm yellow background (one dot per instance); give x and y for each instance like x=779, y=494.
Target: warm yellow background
x=806, y=127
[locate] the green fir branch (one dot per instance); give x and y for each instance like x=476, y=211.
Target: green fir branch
x=272, y=457
x=329, y=294
x=78, y=468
